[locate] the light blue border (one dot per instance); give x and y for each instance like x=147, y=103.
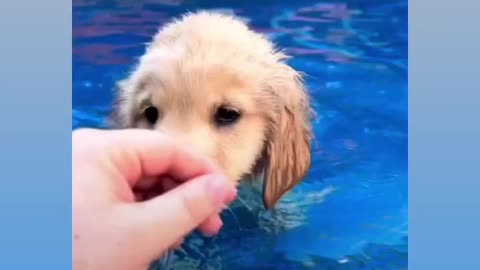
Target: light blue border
x=35, y=134
x=444, y=134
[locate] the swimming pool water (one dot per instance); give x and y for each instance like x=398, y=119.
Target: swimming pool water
x=350, y=212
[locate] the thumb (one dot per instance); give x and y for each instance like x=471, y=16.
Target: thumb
x=161, y=221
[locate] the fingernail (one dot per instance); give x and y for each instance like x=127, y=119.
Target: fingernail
x=221, y=191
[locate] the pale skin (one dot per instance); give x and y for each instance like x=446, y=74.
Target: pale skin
x=113, y=230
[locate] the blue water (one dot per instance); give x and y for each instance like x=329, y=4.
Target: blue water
x=350, y=212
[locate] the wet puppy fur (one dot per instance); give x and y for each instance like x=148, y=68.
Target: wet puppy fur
x=210, y=82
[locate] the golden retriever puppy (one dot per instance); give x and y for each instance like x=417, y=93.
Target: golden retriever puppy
x=210, y=82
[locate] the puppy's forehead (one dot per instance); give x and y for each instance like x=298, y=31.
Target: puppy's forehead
x=178, y=79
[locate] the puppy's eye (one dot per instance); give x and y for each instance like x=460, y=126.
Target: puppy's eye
x=151, y=114
x=226, y=116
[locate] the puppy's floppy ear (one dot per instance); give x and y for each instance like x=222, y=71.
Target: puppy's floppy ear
x=287, y=151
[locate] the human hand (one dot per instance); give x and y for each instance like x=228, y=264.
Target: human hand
x=110, y=228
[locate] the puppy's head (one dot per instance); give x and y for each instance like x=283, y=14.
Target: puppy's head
x=213, y=84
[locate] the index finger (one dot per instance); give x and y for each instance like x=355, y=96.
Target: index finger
x=137, y=153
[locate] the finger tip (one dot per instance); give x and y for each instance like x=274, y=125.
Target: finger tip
x=221, y=190
x=212, y=226
x=232, y=194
